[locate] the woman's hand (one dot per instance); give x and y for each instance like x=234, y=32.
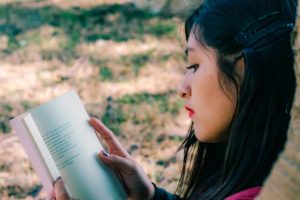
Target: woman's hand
x=130, y=173
x=60, y=191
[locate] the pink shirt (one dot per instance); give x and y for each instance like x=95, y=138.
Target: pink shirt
x=248, y=194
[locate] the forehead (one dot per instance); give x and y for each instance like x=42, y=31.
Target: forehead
x=194, y=45
x=192, y=41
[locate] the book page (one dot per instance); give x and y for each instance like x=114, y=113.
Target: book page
x=52, y=170
x=73, y=144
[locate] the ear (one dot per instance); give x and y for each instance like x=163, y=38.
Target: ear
x=240, y=68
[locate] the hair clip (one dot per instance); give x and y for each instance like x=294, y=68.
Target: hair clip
x=257, y=25
x=264, y=31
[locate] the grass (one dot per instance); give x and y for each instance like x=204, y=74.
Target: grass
x=5, y=116
x=134, y=108
x=44, y=45
x=139, y=98
x=113, y=116
x=139, y=60
x=125, y=67
x=118, y=22
x=105, y=73
x=162, y=28
x=135, y=61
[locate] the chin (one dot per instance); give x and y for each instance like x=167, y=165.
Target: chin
x=201, y=136
x=206, y=137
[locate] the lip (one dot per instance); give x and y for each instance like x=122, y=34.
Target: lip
x=191, y=112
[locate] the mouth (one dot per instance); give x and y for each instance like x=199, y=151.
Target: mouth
x=191, y=112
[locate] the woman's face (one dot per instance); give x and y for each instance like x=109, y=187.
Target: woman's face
x=209, y=107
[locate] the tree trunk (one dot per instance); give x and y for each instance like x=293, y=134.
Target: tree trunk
x=284, y=181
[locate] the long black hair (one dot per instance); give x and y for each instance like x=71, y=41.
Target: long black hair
x=258, y=33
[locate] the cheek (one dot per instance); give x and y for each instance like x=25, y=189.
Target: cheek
x=213, y=128
x=214, y=110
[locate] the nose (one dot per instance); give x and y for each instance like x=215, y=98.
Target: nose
x=184, y=90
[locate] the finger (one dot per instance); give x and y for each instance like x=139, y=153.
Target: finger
x=103, y=156
x=119, y=163
x=106, y=158
x=60, y=190
x=114, y=146
x=51, y=196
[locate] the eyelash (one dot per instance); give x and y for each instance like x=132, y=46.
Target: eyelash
x=195, y=67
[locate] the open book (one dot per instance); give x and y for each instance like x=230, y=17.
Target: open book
x=60, y=142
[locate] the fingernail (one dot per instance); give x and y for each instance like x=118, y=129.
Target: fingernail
x=58, y=178
x=56, y=181
x=105, y=154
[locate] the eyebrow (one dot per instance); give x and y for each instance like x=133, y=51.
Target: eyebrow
x=188, y=49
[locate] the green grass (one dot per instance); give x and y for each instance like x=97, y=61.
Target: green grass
x=113, y=116
x=12, y=45
x=4, y=126
x=7, y=107
x=162, y=28
x=118, y=22
x=105, y=73
x=128, y=107
x=107, y=22
x=159, y=100
x=49, y=40
x=5, y=116
x=136, y=61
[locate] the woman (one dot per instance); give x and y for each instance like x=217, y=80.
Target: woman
x=238, y=90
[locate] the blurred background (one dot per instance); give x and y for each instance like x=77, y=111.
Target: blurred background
x=124, y=57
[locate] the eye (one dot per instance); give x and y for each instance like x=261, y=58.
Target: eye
x=195, y=67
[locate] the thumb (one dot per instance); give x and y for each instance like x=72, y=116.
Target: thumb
x=51, y=196
x=61, y=192
x=120, y=163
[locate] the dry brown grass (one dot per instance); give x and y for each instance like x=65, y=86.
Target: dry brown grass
x=43, y=61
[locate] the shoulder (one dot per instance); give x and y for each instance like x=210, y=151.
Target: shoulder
x=247, y=194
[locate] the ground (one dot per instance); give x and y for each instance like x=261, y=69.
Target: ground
x=125, y=63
